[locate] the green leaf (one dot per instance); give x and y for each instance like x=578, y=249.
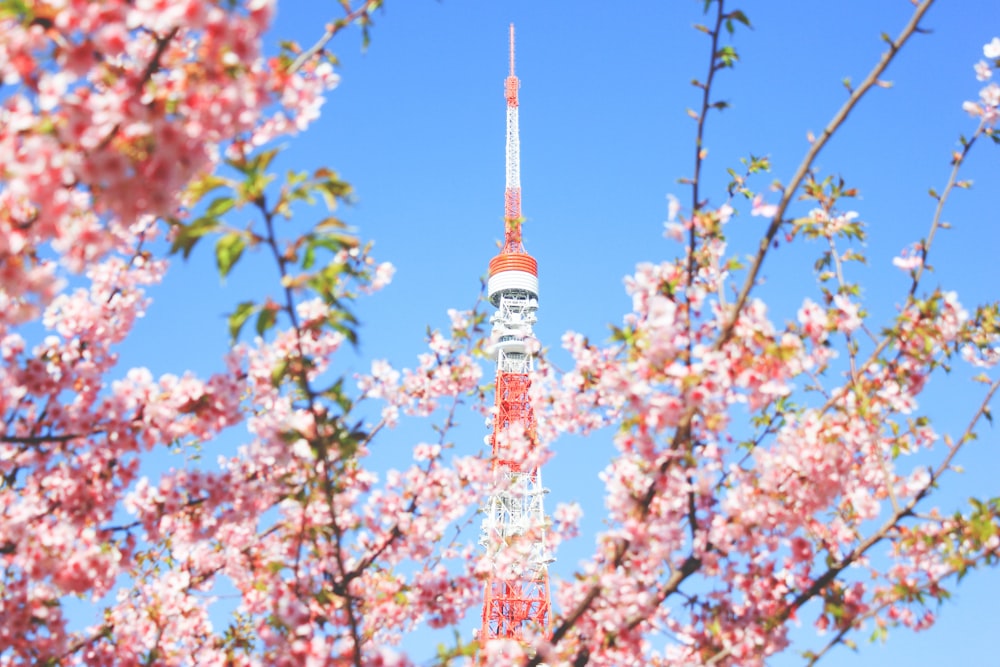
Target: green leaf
x=296, y=177
x=340, y=240
x=266, y=320
x=254, y=169
x=199, y=187
x=309, y=256
x=329, y=185
x=336, y=393
x=228, y=250
x=278, y=372
x=188, y=235
x=330, y=223
x=263, y=160
x=738, y=15
x=239, y=317
x=16, y=9
x=220, y=206
x=258, y=163
x=253, y=187
x=727, y=56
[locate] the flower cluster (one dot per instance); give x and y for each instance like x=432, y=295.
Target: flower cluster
x=989, y=96
x=767, y=467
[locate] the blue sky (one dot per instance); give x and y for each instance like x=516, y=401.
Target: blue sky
x=417, y=126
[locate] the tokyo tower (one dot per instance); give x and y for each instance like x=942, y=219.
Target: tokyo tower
x=516, y=600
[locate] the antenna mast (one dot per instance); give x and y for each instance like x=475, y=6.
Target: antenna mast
x=512, y=195
x=517, y=596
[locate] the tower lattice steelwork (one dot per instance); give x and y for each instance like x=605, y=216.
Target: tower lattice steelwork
x=517, y=591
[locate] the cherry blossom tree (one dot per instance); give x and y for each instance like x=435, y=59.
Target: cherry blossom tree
x=764, y=470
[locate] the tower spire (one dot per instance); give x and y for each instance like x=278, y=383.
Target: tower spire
x=511, y=49
x=516, y=599
x=512, y=194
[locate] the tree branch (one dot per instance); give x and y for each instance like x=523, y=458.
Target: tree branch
x=789, y=192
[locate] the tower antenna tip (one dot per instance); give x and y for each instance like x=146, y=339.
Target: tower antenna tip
x=512, y=49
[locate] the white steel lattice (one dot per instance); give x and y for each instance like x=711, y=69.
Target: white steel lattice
x=514, y=523
x=513, y=150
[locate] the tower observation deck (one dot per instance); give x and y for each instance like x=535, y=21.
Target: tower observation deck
x=516, y=598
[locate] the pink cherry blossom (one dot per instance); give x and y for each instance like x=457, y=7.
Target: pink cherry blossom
x=759, y=208
x=910, y=259
x=767, y=464
x=992, y=48
x=845, y=314
x=983, y=71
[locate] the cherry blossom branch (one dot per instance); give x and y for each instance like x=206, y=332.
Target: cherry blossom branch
x=343, y=587
x=838, y=266
x=42, y=439
x=957, y=160
x=839, y=637
x=362, y=12
x=887, y=479
x=396, y=532
x=671, y=586
x=713, y=67
x=885, y=532
x=151, y=68
x=322, y=466
x=101, y=632
x=966, y=436
x=801, y=172
x=690, y=565
x=699, y=155
x=815, y=657
x=344, y=575
x=936, y=222
x=893, y=521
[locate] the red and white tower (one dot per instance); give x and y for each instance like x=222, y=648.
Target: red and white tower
x=517, y=591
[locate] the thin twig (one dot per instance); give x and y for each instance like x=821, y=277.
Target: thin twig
x=820, y=142
x=331, y=30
